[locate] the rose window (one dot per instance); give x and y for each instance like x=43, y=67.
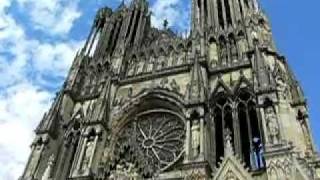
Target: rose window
x=152, y=141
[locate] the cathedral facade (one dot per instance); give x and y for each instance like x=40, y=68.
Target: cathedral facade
x=145, y=103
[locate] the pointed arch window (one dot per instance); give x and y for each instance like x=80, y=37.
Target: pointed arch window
x=239, y=116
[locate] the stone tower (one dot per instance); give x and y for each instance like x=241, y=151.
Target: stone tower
x=145, y=103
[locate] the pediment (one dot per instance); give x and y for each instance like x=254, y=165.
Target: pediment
x=232, y=169
x=221, y=87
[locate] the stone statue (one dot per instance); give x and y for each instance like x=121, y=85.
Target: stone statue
x=272, y=125
x=174, y=86
x=131, y=67
x=234, y=50
x=150, y=63
x=47, y=173
x=140, y=66
x=223, y=54
x=265, y=33
x=213, y=53
x=195, y=134
x=164, y=83
x=242, y=44
x=89, y=149
x=282, y=88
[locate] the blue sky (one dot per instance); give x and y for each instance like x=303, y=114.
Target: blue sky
x=39, y=38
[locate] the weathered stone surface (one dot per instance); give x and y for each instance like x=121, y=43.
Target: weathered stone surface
x=145, y=103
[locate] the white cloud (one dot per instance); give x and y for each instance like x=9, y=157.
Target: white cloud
x=22, y=100
x=51, y=16
x=17, y=119
x=175, y=11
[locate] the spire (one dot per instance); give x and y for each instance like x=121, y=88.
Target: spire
x=51, y=118
x=139, y=3
x=122, y=5
x=261, y=70
x=196, y=87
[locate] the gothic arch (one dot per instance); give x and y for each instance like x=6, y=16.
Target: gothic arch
x=151, y=98
x=221, y=87
x=235, y=111
x=161, y=112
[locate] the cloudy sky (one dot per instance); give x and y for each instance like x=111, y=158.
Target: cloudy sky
x=39, y=38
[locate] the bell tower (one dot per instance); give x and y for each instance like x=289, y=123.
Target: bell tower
x=145, y=103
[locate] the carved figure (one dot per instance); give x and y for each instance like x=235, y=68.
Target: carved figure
x=282, y=88
x=88, y=154
x=175, y=87
x=233, y=49
x=47, y=173
x=242, y=44
x=150, y=65
x=140, y=66
x=164, y=83
x=223, y=54
x=131, y=67
x=195, y=144
x=265, y=33
x=272, y=125
x=213, y=53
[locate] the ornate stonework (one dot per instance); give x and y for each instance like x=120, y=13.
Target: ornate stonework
x=145, y=103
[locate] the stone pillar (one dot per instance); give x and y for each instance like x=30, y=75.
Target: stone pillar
x=79, y=162
x=232, y=13
x=188, y=140
x=215, y=13
x=202, y=138
x=236, y=134
x=224, y=14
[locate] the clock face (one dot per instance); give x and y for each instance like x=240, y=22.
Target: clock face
x=153, y=141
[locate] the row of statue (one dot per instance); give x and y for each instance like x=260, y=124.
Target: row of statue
x=142, y=65
x=227, y=51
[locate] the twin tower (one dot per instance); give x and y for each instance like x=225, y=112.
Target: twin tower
x=145, y=103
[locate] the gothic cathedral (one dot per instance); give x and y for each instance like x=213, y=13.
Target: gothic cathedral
x=144, y=103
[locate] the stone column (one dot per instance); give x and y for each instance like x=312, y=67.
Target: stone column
x=236, y=134
x=94, y=149
x=215, y=13
x=224, y=14
x=135, y=14
x=232, y=12
x=188, y=140
x=202, y=140
x=83, y=146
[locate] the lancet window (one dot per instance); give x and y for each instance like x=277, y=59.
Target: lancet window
x=238, y=115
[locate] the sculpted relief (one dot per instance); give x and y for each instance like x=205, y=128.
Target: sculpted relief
x=272, y=125
x=213, y=53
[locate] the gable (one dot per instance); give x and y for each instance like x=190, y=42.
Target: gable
x=232, y=169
